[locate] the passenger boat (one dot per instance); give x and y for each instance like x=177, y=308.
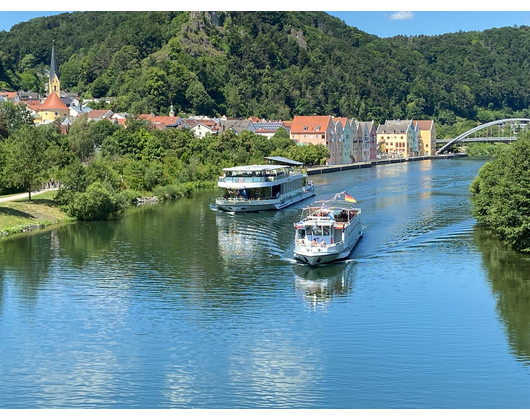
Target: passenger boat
x=328, y=231
x=263, y=187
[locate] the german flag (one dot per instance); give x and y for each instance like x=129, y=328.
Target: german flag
x=349, y=198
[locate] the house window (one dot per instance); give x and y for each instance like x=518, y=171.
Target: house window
x=388, y=137
x=318, y=128
x=305, y=136
x=401, y=137
x=305, y=128
x=323, y=136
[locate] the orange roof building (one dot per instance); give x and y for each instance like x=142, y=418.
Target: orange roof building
x=316, y=129
x=51, y=109
x=161, y=121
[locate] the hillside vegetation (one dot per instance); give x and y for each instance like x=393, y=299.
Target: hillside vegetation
x=274, y=65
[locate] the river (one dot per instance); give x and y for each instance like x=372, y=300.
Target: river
x=176, y=306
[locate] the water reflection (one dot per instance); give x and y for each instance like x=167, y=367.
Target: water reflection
x=236, y=240
x=83, y=242
x=509, y=275
x=28, y=260
x=320, y=285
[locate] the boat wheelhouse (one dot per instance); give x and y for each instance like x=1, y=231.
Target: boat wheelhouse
x=263, y=187
x=328, y=230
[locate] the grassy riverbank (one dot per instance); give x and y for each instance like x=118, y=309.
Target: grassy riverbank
x=23, y=216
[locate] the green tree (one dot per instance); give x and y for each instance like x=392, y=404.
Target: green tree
x=12, y=117
x=26, y=163
x=501, y=194
x=80, y=140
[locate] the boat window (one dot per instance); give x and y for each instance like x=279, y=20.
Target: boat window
x=326, y=230
x=309, y=230
x=301, y=233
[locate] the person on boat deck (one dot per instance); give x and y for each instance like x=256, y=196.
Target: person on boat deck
x=314, y=242
x=322, y=242
x=244, y=193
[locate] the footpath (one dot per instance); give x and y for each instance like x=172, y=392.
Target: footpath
x=25, y=195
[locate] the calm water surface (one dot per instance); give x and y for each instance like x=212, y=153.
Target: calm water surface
x=176, y=306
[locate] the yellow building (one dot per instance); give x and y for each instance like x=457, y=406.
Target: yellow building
x=51, y=109
x=427, y=137
x=396, y=138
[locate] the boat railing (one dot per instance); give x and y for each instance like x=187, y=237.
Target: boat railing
x=248, y=200
x=253, y=179
x=310, y=244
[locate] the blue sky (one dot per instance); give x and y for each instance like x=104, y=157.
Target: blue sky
x=386, y=24
x=383, y=24
x=8, y=19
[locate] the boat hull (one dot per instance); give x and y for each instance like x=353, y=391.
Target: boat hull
x=241, y=206
x=315, y=255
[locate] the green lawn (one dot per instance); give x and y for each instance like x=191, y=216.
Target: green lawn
x=42, y=210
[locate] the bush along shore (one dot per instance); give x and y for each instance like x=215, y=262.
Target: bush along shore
x=96, y=203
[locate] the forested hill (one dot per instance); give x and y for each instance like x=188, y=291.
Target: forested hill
x=272, y=64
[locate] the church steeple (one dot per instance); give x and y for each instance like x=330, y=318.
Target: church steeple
x=54, y=85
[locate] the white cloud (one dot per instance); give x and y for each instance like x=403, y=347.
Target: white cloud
x=401, y=16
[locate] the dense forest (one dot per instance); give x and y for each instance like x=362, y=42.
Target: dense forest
x=274, y=65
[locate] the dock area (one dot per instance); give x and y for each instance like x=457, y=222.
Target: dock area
x=358, y=165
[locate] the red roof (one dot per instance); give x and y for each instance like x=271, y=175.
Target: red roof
x=32, y=104
x=342, y=120
x=424, y=124
x=10, y=95
x=312, y=124
x=254, y=119
x=98, y=113
x=52, y=102
x=287, y=124
x=159, y=120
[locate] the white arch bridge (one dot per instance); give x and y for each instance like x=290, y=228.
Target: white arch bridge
x=504, y=134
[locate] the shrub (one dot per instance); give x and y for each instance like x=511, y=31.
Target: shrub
x=97, y=203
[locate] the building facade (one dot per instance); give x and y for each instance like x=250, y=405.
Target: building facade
x=315, y=130
x=396, y=138
x=427, y=137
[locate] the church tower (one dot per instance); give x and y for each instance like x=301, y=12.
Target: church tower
x=54, y=85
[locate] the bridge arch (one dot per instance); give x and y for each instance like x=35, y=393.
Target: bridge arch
x=478, y=128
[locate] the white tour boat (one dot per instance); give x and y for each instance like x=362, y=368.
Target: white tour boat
x=328, y=230
x=263, y=187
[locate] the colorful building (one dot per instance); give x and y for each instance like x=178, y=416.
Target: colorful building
x=427, y=138
x=315, y=130
x=396, y=138
x=51, y=109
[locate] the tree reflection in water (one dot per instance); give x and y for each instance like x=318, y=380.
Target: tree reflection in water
x=509, y=275
x=27, y=259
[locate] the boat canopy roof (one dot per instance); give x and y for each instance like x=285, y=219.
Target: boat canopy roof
x=251, y=168
x=284, y=160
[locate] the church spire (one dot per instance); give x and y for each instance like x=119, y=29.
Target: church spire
x=53, y=64
x=54, y=84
